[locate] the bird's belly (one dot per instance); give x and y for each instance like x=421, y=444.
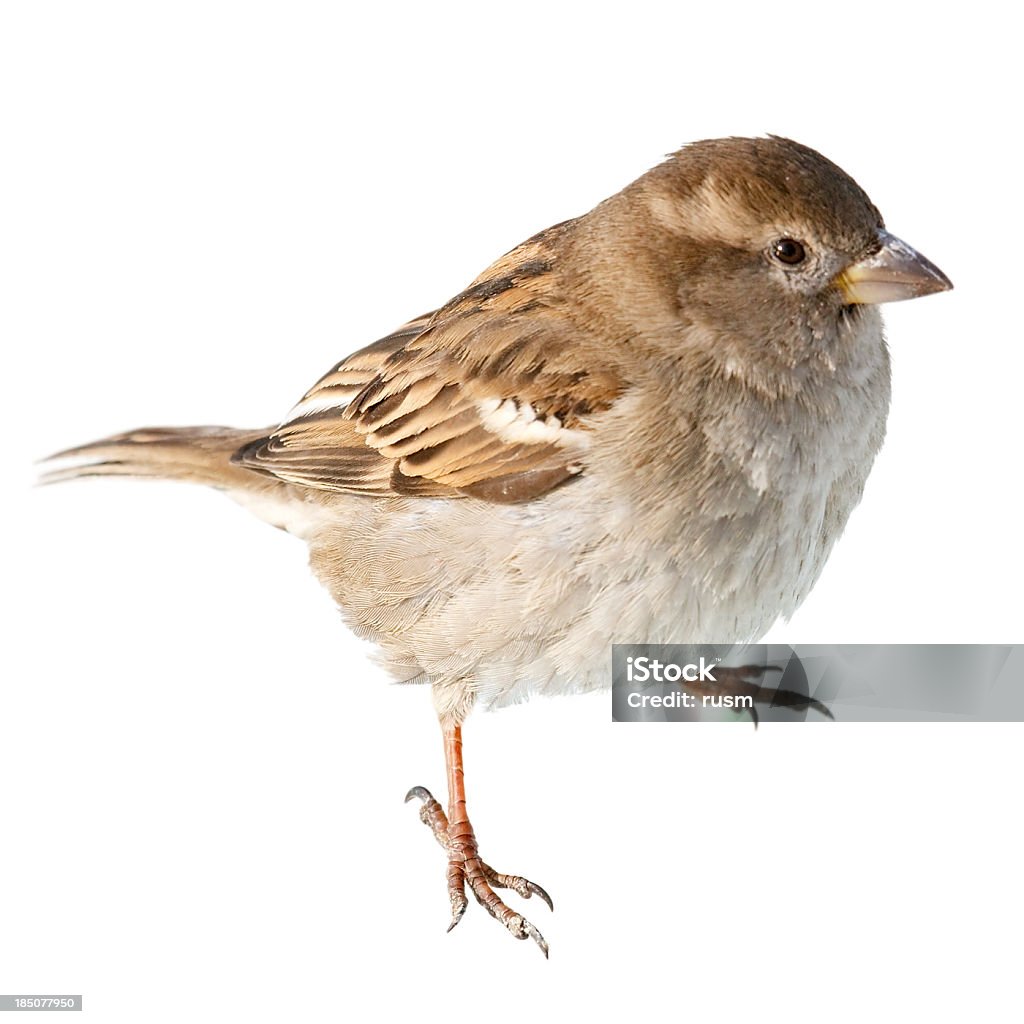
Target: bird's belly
x=716, y=581
x=506, y=601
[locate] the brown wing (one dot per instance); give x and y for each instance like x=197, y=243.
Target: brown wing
x=485, y=397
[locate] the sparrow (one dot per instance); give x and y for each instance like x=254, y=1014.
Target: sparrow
x=649, y=423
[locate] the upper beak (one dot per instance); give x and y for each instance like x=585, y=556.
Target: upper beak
x=893, y=273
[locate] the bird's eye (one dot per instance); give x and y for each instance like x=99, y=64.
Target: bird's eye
x=789, y=251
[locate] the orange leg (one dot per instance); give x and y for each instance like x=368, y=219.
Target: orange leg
x=455, y=834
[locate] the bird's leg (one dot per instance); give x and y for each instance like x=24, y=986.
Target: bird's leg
x=744, y=681
x=455, y=834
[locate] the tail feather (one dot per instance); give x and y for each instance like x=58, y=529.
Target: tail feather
x=196, y=454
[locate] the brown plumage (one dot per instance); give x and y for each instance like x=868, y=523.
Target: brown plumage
x=647, y=424
x=416, y=413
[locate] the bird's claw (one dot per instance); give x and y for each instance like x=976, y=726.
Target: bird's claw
x=522, y=886
x=743, y=681
x=465, y=865
x=457, y=897
x=527, y=929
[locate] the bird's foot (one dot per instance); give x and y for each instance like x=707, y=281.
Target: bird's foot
x=745, y=681
x=466, y=868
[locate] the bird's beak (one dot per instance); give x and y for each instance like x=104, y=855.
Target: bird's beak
x=892, y=273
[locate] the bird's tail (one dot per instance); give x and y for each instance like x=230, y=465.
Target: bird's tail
x=195, y=454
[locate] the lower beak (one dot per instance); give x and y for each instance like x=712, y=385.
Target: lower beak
x=893, y=273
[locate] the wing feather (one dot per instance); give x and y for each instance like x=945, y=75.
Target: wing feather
x=484, y=397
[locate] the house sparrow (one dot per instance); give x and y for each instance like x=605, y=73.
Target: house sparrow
x=646, y=424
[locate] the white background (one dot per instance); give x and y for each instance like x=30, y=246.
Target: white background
x=204, y=206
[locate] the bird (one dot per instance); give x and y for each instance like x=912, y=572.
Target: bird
x=645, y=424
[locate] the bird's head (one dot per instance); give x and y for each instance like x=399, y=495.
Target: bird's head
x=766, y=240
